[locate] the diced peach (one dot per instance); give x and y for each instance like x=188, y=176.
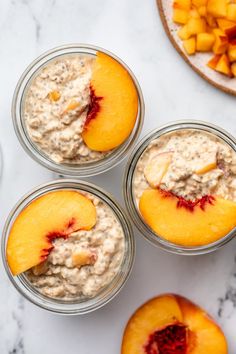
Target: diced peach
x=214, y=61
x=205, y=42
x=183, y=33
x=221, y=42
x=225, y=24
x=232, y=52
x=83, y=257
x=233, y=69
x=54, y=95
x=231, y=33
x=115, y=119
x=211, y=21
x=190, y=45
x=196, y=25
x=180, y=16
x=183, y=4
x=170, y=218
x=157, y=168
x=202, y=10
x=73, y=104
x=53, y=215
x=199, y=3
x=194, y=13
x=231, y=11
x=217, y=8
x=223, y=66
x=207, y=163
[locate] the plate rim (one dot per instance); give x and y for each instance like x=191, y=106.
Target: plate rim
x=184, y=56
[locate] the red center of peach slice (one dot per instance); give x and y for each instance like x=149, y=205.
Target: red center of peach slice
x=170, y=340
x=189, y=204
x=94, y=106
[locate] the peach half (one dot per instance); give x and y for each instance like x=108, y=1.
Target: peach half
x=184, y=222
x=171, y=324
x=53, y=215
x=114, y=105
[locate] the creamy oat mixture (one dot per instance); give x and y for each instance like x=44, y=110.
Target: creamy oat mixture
x=66, y=275
x=56, y=106
x=191, y=150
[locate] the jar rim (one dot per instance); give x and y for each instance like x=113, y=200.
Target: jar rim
x=86, y=169
x=128, y=176
x=110, y=290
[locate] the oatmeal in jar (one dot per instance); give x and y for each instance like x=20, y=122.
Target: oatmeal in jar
x=81, y=265
x=56, y=107
x=184, y=187
x=190, y=164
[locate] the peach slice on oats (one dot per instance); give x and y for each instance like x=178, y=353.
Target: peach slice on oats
x=184, y=222
x=157, y=168
x=114, y=105
x=53, y=215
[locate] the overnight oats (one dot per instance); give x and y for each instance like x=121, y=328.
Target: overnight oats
x=79, y=110
x=184, y=186
x=77, y=246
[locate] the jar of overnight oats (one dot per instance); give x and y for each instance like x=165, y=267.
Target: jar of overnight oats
x=81, y=248
x=180, y=187
x=78, y=110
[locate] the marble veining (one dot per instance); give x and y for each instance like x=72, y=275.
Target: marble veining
x=132, y=30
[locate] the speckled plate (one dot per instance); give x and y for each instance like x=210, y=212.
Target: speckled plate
x=197, y=62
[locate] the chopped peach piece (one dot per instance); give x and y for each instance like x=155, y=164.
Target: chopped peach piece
x=183, y=4
x=199, y=3
x=54, y=95
x=83, y=257
x=53, y=215
x=223, y=66
x=202, y=10
x=205, y=42
x=214, y=61
x=232, y=52
x=221, y=42
x=73, y=104
x=217, y=8
x=209, y=163
x=183, y=33
x=171, y=219
x=231, y=11
x=190, y=45
x=211, y=21
x=233, y=69
x=157, y=168
x=225, y=24
x=180, y=15
x=196, y=25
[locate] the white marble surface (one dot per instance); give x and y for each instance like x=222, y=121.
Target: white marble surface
x=131, y=29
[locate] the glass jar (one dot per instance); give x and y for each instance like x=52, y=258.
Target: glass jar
x=129, y=191
x=72, y=307
x=71, y=170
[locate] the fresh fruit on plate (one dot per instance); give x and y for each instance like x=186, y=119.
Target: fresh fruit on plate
x=53, y=215
x=172, y=324
x=157, y=168
x=114, y=105
x=208, y=26
x=184, y=222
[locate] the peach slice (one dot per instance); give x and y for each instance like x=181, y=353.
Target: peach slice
x=208, y=163
x=114, y=105
x=55, y=214
x=184, y=222
x=157, y=168
x=172, y=324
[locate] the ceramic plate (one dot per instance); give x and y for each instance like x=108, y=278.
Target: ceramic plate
x=197, y=62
